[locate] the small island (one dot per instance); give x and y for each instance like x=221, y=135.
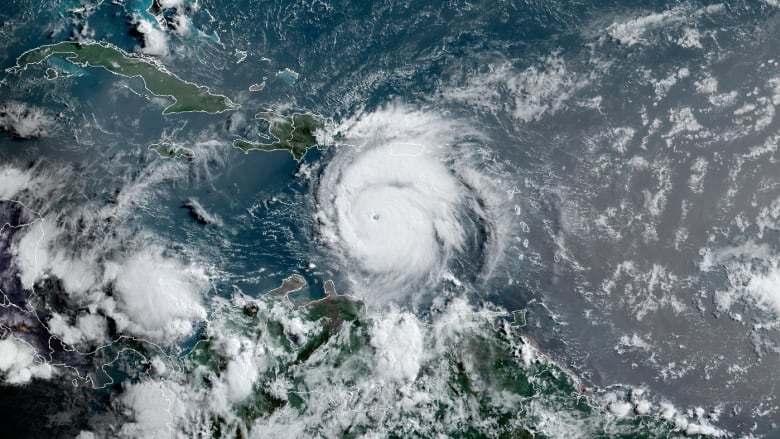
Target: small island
x=157, y=79
x=519, y=319
x=291, y=284
x=295, y=134
x=170, y=150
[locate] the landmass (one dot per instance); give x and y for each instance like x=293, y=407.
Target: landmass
x=291, y=284
x=171, y=150
x=157, y=79
x=295, y=133
x=257, y=86
x=473, y=360
x=519, y=317
x=337, y=308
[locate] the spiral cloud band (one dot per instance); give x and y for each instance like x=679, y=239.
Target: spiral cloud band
x=403, y=207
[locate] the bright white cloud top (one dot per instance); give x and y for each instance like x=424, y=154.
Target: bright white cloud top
x=158, y=298
x=19, y=363
x=400, y=205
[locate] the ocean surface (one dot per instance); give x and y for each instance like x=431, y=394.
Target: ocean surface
x=611, y=168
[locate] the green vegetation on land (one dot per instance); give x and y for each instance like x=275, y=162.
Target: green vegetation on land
x=296, y=134
x=321, y=356
x=158, y=80
x=170, y=150
x=519, y=317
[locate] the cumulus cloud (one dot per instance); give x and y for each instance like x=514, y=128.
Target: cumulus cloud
x=399, y=347
x=40, y=253
x=158, y=407
x=156, y=297
x=752, y=272
x=632, y=31
x=527, y=95
x=87, y=328
x=764, y=287
x=170, y=4
x=28, y=258
x=19, y=362
x=236, y=382
x=635, y=30
x=25, y=121
x=240, y=376
x=155, y=41
x=167, y=408
x=12, y=180
x=393, y=381
x=181, y=25
x=200, y=214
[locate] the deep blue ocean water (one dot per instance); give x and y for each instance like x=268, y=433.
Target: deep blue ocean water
x=629, y=165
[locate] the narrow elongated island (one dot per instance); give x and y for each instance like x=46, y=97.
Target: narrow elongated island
x=157, y=79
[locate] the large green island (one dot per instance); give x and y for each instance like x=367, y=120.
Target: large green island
x=157, y=79
x=296, y=133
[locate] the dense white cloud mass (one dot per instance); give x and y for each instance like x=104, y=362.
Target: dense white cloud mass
x=157, y=409
x=28, y=257
x=765, y=288
x=170, y=4
x=155, y=40
x=19, y=363
x=392, y=205
x=181, y=25
x=236, y=383
x=634, y=31
x=398, y=203
x=87, y=328
x=399, y=347
x=146, y=292
x=156, y=297
x=396, y=210
x=12, y=180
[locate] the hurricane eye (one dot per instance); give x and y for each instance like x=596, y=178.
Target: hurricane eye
x=401, y=210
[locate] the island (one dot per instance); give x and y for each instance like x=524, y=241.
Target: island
x=294, y=283
x=295, y=134
x=519, y=319
x=171, y=150
x=188, y=97
x=257, y=86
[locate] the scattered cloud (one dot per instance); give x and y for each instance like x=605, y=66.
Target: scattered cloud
x=25, y=121
x=527, y=95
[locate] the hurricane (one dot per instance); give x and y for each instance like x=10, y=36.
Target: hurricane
x=406, y=204
x=389, y=219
